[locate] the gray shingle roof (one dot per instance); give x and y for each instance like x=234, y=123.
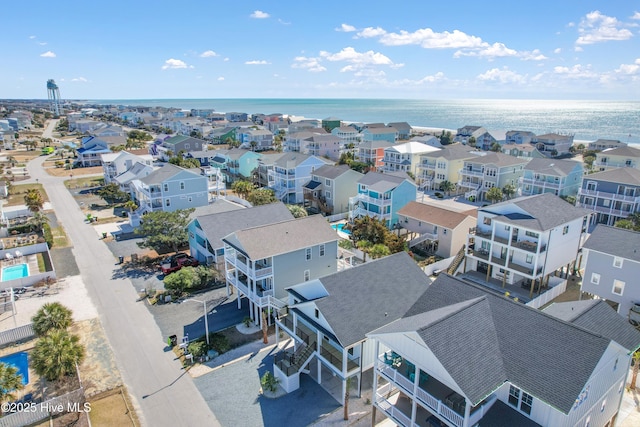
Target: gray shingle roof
x=282, y=237
x=381, y=181
x=553, y=167
x=545, y=356
x=331, y=171
x=628, y=176
x=370, y=295
x=164, y=173
x=545, y=211
x=216, y=226
x=615, y=241
x=498, y=159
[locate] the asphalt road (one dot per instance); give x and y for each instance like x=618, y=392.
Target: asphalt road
x=162, y=392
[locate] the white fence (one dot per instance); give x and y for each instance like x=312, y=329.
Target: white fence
x=441, y=265
x=32, y=412
x=557, y=289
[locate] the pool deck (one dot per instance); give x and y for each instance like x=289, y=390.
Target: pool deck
x=30, y=260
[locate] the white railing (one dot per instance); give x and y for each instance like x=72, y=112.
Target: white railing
x=238, y=284
x=606, y=195
x=451, y=415
x=263, y=272
x=466, y=172
x=399, y=379
x=548, y=295
x=480, y=412
x=421, y=238
x=396, y=414
x=540, y=183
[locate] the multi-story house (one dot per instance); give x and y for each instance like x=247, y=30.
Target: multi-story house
x=176, y=144
x=266, y=163
x=330, y=188
x=327, y=146
x=526, y=240
x=521, y=150
x=611, y=195
x=330, y=123
x=328, y=319
x=429, y=140
x=372, y=153
x=444, y=165
x=136, y=171
x=261, y=262
x=290, y=173
x=297, y=141
x=91, y=151
x=304, y=124
x=603, y=144
x=519, y=137
x=404, y=129
x=621, y=157
x=559, y=177
x=405, y=157
x=236, y=163
x=381, y=196
x=255, y=139
x=206, y=231
x=464, y=356
x=223, y=135
x=383, y=133
x=481, y=173
x=114, y=164
x=483, y=139
x=112, y=134
x=347, y=134
x=436, y=229
x=553, y=144
x=611, y=259
x=236, y=117
x=170, y=188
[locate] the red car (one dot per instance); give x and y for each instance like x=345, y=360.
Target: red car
x=176, y=262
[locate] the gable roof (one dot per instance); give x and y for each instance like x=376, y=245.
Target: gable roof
x=217, y=225
x=629, y=176
x=625, y=151
x=177, y=139
x=553, y=167
x=543, y=211
x=575, y=351
x=381, y=181
x=433, y=214
x=282, y=237
x=498, y=159
x=383, y=288
x=331, y=171
x=615, y=241
x=165, y=173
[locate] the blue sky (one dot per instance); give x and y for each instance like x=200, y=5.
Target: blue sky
x=569, y=49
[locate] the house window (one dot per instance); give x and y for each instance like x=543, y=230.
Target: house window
x=606, y=203
x=526, y=403
x=444, y=231
x=307, y=276
x=308, y=253
x=167, y=202
x=618, y=287
x=565, y=230
x=182, y=185
x=617, y=262
x=327, y=194
x=189, y=199
x=514, y=396
x=322, y=250
x=518, y=398
x=595, y=278
x=166, y=187
x=486, y=221
x=317, y=313
x=529, y=259
x=327, y=182
x=507, y=227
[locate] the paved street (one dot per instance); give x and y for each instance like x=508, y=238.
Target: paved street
x=161, y=391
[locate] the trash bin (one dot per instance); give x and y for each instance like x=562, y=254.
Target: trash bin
x=121, y=259
x=104, y=235
x=173, y=340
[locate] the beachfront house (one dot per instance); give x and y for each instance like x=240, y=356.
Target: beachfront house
x=330, y=123
x=405, y=157
x=480, y=173
x=372, y=153
x=382, y=133
x=621, y=157
x=114, y=164
x=464, y=356
x=603, y=144
x=404, y=130
x=170, y=188
x=525, y=151
x=559, y=177
x=381, y=196
x=261, y=262
x=330, y=188
x=611, y=259
x=468, y=134
x=207, y=231
x=347, y=134
x=329, y=317
x=435, y=230
x=524, y=241
x=519, y=137
x=553, y=144
x=290, y=173
x=444, y=165
x=611, y=195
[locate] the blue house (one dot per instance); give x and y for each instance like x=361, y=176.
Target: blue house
x=290, y=173
x=382, y=195
x=612, y=195
x=91, y=151
x=544, y=175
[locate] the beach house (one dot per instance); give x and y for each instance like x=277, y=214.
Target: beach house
x=620, y=157
x=330, y=188
x=291, y=171
x=438, y=166
x=405, y=157
x=611, y=195
x=544, y=175
x=480, y=173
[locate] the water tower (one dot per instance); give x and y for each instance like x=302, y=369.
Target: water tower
x=54, y=97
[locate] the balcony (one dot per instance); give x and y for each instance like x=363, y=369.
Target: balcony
x=473, y=173
x=481, y=253
x=529, y=246
x=486, y=234
x=524, y=270
x=241, y=286
x=428, y=166
x=540, y=183
x=498, y=260
x=474, y=185
x=608, y=196
x=370, y=200
x=334, y=356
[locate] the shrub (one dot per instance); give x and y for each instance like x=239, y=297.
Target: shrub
x=197, y=348
x=48, y=235
x=219, y=342
x=269, y=382
x=438, y=195
x=247, y=321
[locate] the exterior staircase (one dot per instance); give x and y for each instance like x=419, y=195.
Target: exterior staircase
x=453, y=267
x=290, y=363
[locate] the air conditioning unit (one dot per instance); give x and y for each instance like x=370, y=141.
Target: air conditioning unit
x=635, y=307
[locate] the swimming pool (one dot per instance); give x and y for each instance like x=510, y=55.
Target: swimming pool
x=15, y=272
x=340, y=227
x=20, y=361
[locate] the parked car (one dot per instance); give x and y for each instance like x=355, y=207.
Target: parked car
x=176, y=262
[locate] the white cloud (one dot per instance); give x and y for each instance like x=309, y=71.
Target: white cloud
x=48, y=54
x=578, y=71
x=346, y=28
x=42, y=43
x=636, y=15
x=32, y=37
x=79, y=79
x=349, y=54
x=370, y=32
x=173, y=64
x=557, y=50
x=503, y=75
x=256, y=62
x=596, y=27
x=208, y=54
x=496, y=50
x=629, y=68
x=426, y=38
x=534, y=55
x=220, y=79
x=311, y=64
x=258, y=14
x=226, y=59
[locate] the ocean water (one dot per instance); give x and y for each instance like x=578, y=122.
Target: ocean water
x=586, y=120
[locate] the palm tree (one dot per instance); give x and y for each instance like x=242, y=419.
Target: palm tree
x=10, y=381
x=509, y=190
x=297, y=211
x=634, y=372
x=38, y=220
x=494, y=195
x=447, y=187
x=57, y=354
x=51, y=316
x=33, y=199
x=243, y=188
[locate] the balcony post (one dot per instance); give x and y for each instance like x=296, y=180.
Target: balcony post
x=467, y=412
